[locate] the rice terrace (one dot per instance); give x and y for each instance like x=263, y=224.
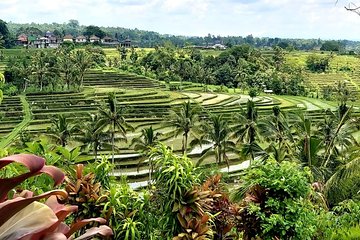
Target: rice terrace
x=121, y=133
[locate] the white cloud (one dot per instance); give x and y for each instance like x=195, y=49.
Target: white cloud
x=282, y=18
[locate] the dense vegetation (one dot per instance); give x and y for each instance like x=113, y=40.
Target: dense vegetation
x=220, y=165
x=143, y=38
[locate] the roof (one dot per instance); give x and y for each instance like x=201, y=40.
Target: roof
x=93, y=37
x=107, y=38
x=81, y=37
x=68, y=36
x=49, y=34
x=22, y=37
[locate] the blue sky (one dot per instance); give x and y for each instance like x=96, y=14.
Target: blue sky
x=264, y=18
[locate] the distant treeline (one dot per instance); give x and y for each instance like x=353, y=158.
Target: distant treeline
x=143, y=38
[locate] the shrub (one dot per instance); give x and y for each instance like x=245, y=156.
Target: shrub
x=174, y=176
x=275, y=202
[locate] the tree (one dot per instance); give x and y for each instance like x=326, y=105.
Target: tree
x=134, y=56
x=148, y=139
x=253, y=92
x=61, y=130
x=352, y=7
x=83, y=62
x=278, y=57
x=217, y=133
x=111, y=118
x=91, y=136
x=21, y=71
x=122, y=52
x=316, y=63
x=184, y=121
x=143, y=144
x=66, y=65
x=43, y=68
x=2, y=81
x=275, y=130
x=4, y=35
x=94, y=30
x=333, y=46
x=246, y=130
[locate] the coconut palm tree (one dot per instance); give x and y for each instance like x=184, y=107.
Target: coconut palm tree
x=22, y=68
x=148, y=139
x=111, y=118
x=144, y=143
x=308, y=144
x=2, y=81
x=217, y=132
x=40, y=68
x=275, y=130
x=67, y=67
x=91, y=135
x=246, y=131
x=342, y=134
x=61, y=130
x=83, y=62
x=184, y=121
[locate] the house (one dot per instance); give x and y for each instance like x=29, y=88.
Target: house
x=126, y=43
x=80, y=39
x=54, y=42
x=68, y=38
x=49, y=34
x=41, y=42
x=219, y=46
x=22, y=39
x=94, y=39
x=106, y=40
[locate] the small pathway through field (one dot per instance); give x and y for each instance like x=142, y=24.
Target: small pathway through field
x=26, y=120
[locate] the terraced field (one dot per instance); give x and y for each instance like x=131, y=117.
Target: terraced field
x=148, y=103
x=343, y=68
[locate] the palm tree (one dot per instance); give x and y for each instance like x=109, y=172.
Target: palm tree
x=61, y=130
x=246, y=131
x=91, y=135
x=184, y=121
x=111, y=117
x=66, y=65
x=308, y=144
x=40, y=68
x=146, y=141
x=344, y=125
x=83, y=62
x=331, y=152
x=217, y=132
x=23, y=69
x=275, y=129
x=2, y=80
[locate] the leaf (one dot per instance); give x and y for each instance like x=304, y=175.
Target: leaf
x=61, y=210
x=11, y=207
x=103, y=230
x=34, y=164
x=80, y=224
x=55, y=236
x=32, y=219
